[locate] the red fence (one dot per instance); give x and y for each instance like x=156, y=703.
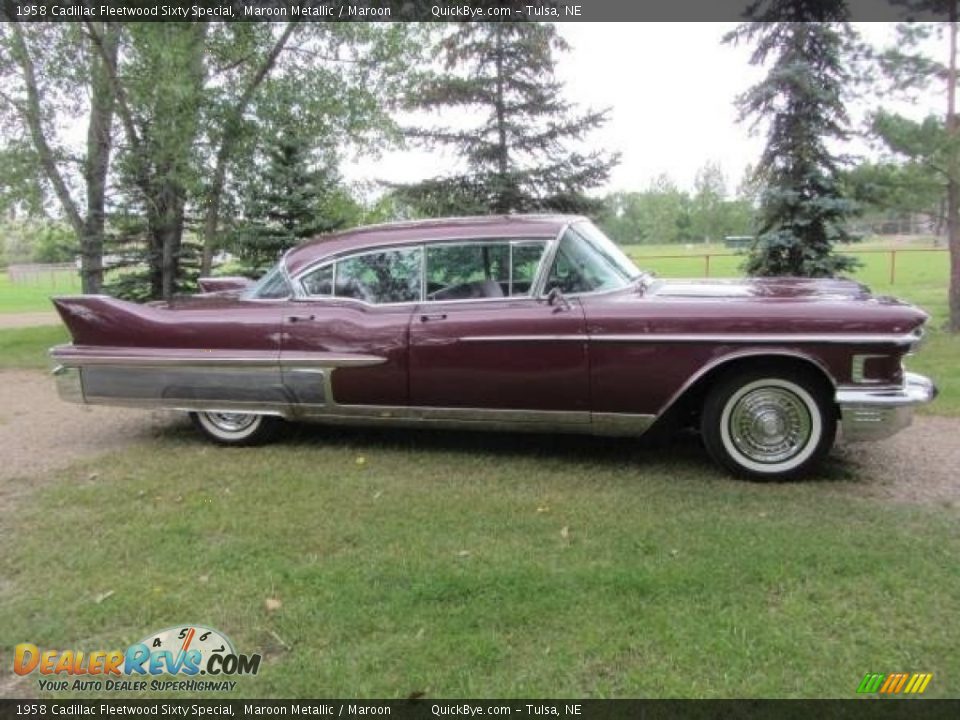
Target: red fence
x=890, y=252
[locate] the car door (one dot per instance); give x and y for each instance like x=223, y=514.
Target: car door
x=481, y=339
x=344, y=342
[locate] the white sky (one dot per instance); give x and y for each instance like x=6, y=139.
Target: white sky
x=671, y=89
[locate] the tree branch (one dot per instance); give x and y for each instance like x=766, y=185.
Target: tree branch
x=119, y=93
x=33, y=117
x=227, y=142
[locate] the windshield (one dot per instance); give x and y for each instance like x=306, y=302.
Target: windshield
x=588, y=261
x=272, y=286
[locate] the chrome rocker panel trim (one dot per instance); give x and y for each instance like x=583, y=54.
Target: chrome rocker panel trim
x=305, y=393
x=875, y=413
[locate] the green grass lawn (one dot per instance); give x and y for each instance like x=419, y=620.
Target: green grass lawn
x=439, y=563
x=485, y=565
x=34, y=295
x=27, y=347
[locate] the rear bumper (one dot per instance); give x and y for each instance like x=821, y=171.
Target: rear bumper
x=877, y=413
x=69, y=384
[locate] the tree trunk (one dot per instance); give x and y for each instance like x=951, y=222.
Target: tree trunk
x=953, y=178
x=99, y=145
x=503, y=200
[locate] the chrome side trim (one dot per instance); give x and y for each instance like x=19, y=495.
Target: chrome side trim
x=762, y=338
x=750, y=338
x=874, y=414
x=63, y=355
x=405, y=412
x=525, y=338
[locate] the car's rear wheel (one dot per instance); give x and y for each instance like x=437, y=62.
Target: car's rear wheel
x=230, y=428
x=769, y=424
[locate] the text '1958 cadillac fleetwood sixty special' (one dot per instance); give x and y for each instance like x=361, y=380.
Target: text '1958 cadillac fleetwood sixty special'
x=508, y=323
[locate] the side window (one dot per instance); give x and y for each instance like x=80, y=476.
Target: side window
x=319, y=281
x=272, y=286
x=468, y=271
x=580, y=266
x=386, y=276
x=492, y=269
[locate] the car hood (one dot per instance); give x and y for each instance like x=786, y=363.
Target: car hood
x=773, y=288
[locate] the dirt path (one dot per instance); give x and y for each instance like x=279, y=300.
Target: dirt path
x=39, y=433
x=30, y=319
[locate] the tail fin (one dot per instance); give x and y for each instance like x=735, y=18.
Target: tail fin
x=102, y=320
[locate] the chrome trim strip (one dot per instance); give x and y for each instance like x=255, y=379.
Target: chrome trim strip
x=754, y=338
x=284, y=361
x=414, y=412
x=525, y=338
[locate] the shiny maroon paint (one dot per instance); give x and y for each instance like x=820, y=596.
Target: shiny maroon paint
x=429, y=362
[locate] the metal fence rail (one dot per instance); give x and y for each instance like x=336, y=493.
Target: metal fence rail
x=707, y=257
x=35, y=273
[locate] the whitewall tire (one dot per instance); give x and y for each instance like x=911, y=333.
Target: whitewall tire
x=230, y=428
x=769, y=425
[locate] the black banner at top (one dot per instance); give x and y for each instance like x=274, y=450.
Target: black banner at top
x=443, y=10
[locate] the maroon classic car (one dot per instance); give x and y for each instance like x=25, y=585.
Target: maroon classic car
x=508, y=323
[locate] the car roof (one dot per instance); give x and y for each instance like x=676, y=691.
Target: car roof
x=399, y=233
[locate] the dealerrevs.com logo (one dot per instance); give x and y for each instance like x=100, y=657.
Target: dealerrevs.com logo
x=185, y=652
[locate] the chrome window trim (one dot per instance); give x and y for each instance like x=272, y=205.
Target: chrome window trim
x=413, y=243
x=544, y=271
x=586, y=293
x=335, y=260
x=302, y=295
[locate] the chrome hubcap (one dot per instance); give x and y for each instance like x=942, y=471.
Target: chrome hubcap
x=232, y=422
x=770, y=424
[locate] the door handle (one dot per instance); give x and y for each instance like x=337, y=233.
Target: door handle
x=300, y=318
x=433, y=316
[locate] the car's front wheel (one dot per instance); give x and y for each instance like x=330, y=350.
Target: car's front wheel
x=229, y=428
x=769, y=425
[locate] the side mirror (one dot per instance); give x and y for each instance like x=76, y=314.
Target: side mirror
x=556, y=299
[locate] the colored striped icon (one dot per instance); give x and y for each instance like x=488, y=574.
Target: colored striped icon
x=894, y=683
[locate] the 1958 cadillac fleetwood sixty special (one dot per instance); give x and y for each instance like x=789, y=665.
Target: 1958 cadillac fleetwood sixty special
x=509, y=323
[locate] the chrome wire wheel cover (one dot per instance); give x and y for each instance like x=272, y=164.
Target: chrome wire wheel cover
x=771, y=425
x=232, y=423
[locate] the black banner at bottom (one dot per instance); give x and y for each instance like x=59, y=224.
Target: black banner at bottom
x=427, y=709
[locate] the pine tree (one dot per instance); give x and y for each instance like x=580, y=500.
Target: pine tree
x=517, y=154
x=803, y=212
x=293, y=199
